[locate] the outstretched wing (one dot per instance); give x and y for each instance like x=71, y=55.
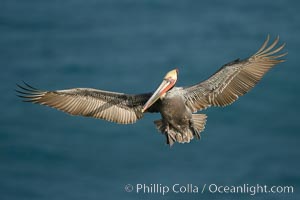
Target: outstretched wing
x=233, y=79
x=110, y=106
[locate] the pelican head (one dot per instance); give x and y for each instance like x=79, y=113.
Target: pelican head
x=167, y=84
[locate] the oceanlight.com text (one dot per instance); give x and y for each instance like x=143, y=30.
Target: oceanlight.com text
x=177, y=188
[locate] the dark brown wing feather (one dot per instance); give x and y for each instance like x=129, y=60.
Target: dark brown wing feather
x=233, y=79
x=111, y=106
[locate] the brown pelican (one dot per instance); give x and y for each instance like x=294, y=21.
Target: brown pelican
x=177, y=105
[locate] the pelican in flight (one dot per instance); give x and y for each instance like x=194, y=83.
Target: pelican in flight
x=177, y=105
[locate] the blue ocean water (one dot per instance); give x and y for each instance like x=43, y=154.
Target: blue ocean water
x=128, y=46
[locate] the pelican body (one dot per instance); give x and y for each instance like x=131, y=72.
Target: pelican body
x=178, y=122
x=178, y=106
x=177, y=118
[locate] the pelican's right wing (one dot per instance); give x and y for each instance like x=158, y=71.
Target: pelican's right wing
x=233, y=79
x=111, y=106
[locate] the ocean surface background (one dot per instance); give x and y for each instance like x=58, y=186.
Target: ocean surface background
x=128, y=46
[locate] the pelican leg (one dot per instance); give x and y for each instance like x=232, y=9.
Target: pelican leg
x=170, y=135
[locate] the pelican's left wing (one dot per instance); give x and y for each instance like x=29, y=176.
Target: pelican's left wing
x=111, y=106
x=233, y=79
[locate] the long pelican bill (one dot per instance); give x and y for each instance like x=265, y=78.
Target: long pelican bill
x=168, y=83
x=160, y=91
